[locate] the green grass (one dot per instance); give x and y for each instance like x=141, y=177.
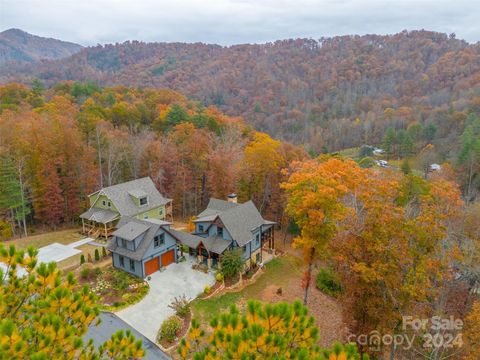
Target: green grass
x=279, y=271
x=63, y=237
x=351, y=153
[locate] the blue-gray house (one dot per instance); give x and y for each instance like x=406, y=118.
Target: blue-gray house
x=226, y=225
x=141, y=247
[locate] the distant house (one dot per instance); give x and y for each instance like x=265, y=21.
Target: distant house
x=435, y=167
x=138, y=199
x=226, y=225
x=378, y=151
x=142, y=247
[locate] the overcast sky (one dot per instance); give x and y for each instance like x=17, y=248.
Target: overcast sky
x=226, y=22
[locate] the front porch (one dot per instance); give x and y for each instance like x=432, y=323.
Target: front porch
x=99, y=223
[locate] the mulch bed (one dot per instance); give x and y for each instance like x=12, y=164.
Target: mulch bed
x=232, y=281
x=180, y=333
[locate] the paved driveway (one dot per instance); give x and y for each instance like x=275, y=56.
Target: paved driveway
x=176, y=280
x=57, y=252
x=111, y=324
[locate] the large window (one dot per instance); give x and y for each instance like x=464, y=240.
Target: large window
x=159, y=240
x=257, y=239
x=132, y=265
x=200, y=228
x=122, y=242
x=219, y=231
x=143, y=200
x=122, y=261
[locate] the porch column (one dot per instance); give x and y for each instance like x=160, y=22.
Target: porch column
x=273, y=237
x=209, y=260
x=83, y=226
x=106, y=236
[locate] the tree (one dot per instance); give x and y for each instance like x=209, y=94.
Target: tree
x=45, y=315
x=405, y=167
x=389, y=141
x=469, y=157
x=314, y=192
x=472, y=333
x=12, y=191
x=268, y=331
x=231, y=263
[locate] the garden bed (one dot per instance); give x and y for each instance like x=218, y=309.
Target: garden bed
x=180, y=334
x=115, y=289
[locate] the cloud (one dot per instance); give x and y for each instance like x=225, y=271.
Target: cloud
x=229, y=22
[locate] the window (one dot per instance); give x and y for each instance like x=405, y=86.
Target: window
x=219, y=231
x=145, y=216
x=160, y=212
x=104, y=202
x=200, y=228
x=123, y=243
x=109, y=204
x=257, y=239
x=244, y=248
x=143, y=200
x=159, y=240
x=132, y=265
x=122, y=261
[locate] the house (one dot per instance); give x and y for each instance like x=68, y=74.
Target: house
x=435, y=167
x=227, y=225
x=142, y=247
x=138, y=199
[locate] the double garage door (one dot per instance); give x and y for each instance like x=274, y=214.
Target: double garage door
x=154, y=264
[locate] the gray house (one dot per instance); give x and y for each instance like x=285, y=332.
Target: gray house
x=226, y=225
x=141, y=247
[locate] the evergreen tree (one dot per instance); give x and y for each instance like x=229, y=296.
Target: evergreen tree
x=469, y=156
x=12, y=192
x=389, y=140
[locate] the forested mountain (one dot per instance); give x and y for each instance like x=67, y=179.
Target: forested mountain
x=19, y=46
x=330, y=94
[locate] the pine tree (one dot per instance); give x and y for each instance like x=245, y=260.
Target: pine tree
x=12, y=192
x=45, y=315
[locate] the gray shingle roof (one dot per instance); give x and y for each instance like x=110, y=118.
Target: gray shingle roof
x=121, y=197
x=190, y=240
x=215, y=207
x=99, y=215
x=241, y=220
x=140, y=251
x=131, y=230
x=216, y=244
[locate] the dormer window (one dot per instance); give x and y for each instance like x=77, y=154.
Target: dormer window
x=143, y=201
x=219, y=231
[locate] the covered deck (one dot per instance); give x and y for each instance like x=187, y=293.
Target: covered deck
x=97, y=222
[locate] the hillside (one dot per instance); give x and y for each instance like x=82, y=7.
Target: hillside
x=20, y=46
x=303, y=90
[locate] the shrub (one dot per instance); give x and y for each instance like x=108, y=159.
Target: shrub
x=328, y=282
x=181, y=306
x=120, y=280
x=207, y=290
x=219, y=277
x=97, y=271
x=97, y=255
x=85, y=273
x=169, y=328
x=104, y=252
x=232, y=263
x=366, y=162
x=89, y=257
x=6, y=231
x=82, y=259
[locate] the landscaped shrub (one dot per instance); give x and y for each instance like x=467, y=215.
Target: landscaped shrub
x=97, y=271
x=89, y=257
x=181, y=306
x=232, y=263
x=82, y=259
x=97, y=255
x=169, y=328
x=207, y=290
x=104, y=252
x=328, y=282
x=85, y=273
x=219, y=276
x=120, y=280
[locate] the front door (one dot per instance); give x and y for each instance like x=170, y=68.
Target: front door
x=151, y=266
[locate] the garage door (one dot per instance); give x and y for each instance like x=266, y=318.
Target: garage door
x=168, y=258
x=151, y=266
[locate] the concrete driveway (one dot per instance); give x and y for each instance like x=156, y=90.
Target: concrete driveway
x=176, y=280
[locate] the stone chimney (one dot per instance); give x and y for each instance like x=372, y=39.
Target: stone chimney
x=232, y=198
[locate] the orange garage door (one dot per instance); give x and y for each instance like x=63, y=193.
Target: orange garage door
x=151, y=266
x=168, y=258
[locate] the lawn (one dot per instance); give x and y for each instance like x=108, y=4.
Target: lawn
x=279, y=271
x=283, y=273
x=63, y=237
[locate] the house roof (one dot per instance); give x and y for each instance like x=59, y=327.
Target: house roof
x=121, y=196
x=140, y=251
x=216, y=244
x=190, y=240
x=102, y=216
x=241, y=220
x=131, y=230
x=215, y=207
